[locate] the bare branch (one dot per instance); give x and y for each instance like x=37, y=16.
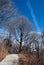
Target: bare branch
x=7, y=11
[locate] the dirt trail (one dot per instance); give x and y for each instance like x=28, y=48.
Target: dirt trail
x=12, y=59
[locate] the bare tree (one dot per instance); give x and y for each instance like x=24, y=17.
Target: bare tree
x=7, y=10
x=7, y=26
x=22, y=27
x=43, y=36
x=33, y=40
x=8, y=45
x=42, y=43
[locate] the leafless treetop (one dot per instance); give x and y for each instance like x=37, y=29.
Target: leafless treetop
x=7, y=10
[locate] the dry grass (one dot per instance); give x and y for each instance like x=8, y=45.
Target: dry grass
x=3, y=53
x=31, y=59
x=27, y=59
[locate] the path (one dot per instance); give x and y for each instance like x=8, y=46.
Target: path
x=12, y=59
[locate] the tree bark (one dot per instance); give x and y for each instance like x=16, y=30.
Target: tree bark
x=20, y=47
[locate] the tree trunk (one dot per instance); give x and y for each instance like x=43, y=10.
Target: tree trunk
x=20, y=47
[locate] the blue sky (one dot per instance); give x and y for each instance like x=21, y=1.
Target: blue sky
x=34, y=10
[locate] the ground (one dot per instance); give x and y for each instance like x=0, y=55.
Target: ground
x=11, y=59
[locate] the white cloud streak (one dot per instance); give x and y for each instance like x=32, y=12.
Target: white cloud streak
x=33, y=15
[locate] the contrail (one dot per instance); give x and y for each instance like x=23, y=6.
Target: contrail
x=33, y=15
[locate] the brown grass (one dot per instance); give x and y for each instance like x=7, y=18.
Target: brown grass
x=27, y=59
x=31, y=59
x=3, y=53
